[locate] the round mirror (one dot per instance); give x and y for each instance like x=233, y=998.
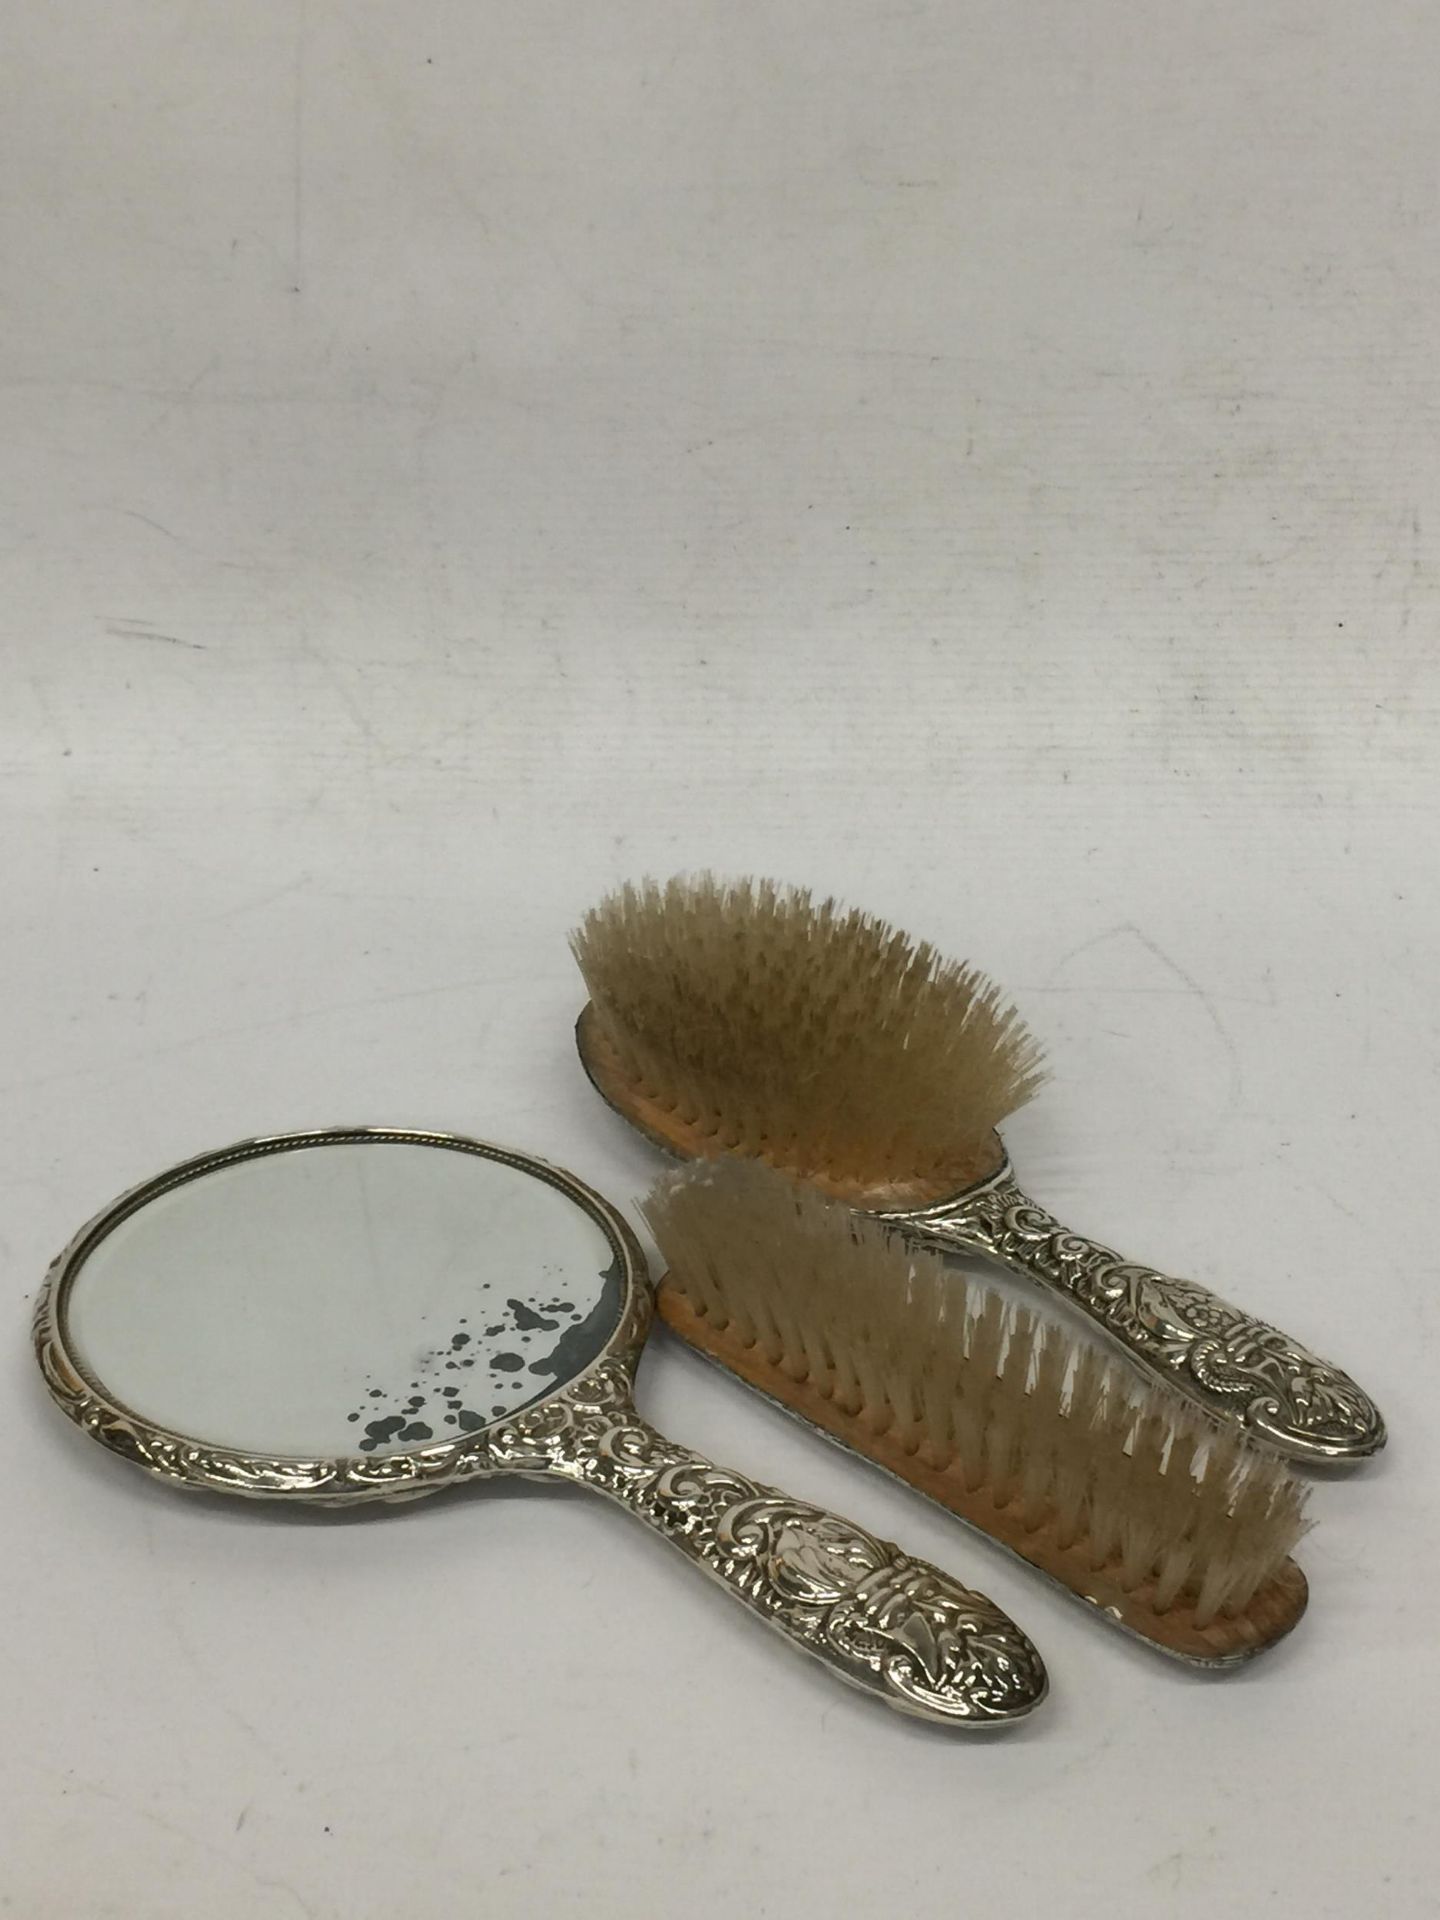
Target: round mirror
x=335, y=1294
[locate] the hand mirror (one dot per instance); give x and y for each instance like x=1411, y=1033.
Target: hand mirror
x=371, y=1314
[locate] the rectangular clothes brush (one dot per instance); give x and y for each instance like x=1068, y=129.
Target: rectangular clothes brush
x=1170, y=1526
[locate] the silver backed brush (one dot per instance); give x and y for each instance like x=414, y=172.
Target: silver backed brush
x=747, y=1019
x=1170, y=1526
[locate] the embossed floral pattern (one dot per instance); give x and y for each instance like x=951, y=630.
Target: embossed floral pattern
x=1235, y=1366
x=892, y=1625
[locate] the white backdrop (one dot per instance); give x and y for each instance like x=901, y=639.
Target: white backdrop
x=980, y=458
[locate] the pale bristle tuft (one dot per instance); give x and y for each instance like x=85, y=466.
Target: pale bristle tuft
x=1147, y=1487
x=817, y=1038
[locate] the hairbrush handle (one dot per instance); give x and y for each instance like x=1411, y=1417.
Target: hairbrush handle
x=1234, y=1366
x=896, y=1627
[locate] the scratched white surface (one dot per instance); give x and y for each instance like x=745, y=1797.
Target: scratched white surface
x=981, y=458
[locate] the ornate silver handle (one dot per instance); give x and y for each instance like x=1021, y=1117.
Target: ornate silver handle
x=1231, y=1364
x=896, y=1627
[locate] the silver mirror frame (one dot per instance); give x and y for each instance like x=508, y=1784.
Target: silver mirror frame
x=337, y=1480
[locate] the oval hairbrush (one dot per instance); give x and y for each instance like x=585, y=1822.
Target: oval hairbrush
x=747, y=1019
x=1171, y=1526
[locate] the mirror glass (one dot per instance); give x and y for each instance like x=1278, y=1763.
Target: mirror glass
x=345, y=1297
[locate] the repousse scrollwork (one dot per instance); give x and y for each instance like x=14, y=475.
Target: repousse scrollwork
x=888, y=1623
x=1235, y=1366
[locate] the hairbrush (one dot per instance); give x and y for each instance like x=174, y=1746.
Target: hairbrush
x=746, y=1019
x=1171, y=1526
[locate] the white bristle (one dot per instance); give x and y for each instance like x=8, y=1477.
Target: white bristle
x=1147, y=1487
